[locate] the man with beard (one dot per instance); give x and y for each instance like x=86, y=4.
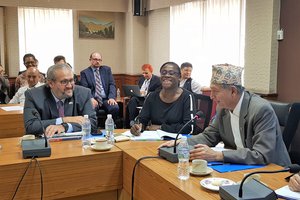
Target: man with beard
x=60, y=104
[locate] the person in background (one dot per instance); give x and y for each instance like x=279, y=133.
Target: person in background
x=59, y=104
x=32, y=77
x=4, y=86
x=100, y=80
x=167, y=109
x=245, y=123
x=148, y=83
x=186, y=81
x=294, y=183
x=62, y=60
x=29, y=60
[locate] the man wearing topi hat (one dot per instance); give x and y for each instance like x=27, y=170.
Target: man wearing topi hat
x=245, y=123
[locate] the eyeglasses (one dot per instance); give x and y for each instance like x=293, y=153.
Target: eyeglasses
x=145, y=73
x=97, y=59
x=66, y=81
x=170, y=72
x=30, y=63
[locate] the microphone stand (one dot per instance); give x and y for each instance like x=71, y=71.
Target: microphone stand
x=170, y=154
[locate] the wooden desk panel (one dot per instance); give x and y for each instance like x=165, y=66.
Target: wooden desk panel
x=69, y=172
x=157, y=178
x=11, y=123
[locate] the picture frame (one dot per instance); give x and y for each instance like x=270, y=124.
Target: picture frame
x=96, y=25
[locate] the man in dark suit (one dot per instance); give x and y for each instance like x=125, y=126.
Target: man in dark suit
x=100, y=80
x=60, y=104
x=148, y=83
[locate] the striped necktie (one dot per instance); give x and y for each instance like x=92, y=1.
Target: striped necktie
x=98, y=84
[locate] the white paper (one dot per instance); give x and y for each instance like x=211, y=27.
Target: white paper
x=287, y=193
x=151, y=135
x=12, y=108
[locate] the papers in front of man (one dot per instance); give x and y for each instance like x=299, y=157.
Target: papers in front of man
x=152, y=136
x=12, y=108
x=286, y=193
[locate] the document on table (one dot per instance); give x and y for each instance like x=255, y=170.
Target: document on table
x=152, y=135
x=12, y=108
x=286, y=193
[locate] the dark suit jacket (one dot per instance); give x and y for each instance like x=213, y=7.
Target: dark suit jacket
x=40, y=99
x=87, y=79
x=154, y=83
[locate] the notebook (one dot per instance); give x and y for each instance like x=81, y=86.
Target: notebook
x=132, y=90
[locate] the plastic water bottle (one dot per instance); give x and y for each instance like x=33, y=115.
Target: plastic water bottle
x=183, y=168
x=109, y=129
x=86, y=132
x=118, y=94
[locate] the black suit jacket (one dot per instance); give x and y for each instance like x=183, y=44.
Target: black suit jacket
x=154, y=83
x=40, y=99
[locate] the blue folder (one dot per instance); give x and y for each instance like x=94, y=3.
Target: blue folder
x=227, y=167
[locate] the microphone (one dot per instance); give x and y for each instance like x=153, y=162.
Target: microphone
x=254, y=189
x=36, y=114
x=38, y=147
x=170, y=153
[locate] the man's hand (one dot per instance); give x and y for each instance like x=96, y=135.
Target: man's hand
x=136, y=129
x=94, y=103
x=74, y=119
x=112, y=102
x=153, y=127
x=294, y=183
x=53, y=129
x=202, y=151
x=169, y=143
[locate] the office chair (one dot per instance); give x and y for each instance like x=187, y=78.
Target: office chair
x=282, y=112
x=291, y=133
x=202, y=103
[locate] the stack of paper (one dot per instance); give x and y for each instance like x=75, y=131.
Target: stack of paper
x=152, y=135
x=286, y=193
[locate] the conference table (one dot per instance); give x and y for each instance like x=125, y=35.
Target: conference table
x=73, y=173
x=11, y=122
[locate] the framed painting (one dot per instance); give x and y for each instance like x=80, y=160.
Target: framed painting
x=96, y=25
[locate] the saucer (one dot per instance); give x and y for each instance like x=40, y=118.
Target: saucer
x=208, y=171
x=214, y=183
x=103, y=148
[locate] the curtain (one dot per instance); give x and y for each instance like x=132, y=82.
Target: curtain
x=45, y=33
x=207, y=32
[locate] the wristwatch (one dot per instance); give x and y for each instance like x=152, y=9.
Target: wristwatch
x=66, y=126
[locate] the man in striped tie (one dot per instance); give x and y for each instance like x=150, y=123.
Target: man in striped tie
x=100, y=80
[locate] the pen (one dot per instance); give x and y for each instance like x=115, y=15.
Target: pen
x=64, y=139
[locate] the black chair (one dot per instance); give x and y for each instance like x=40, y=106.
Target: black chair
x=204, y=104
x=282, y=112
x=291, y=133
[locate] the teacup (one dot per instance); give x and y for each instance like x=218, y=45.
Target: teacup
x=199, y=166
x=253, y=176
x=100, y=143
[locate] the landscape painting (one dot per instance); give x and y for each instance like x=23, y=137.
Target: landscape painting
x=96, y=25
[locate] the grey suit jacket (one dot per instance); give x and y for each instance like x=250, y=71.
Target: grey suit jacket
x=260, y=133
x=40, y=99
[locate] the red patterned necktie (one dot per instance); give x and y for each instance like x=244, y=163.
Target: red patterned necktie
x=60, y=107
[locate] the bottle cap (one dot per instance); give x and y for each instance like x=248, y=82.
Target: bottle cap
x=86, y=116
x=109, y=116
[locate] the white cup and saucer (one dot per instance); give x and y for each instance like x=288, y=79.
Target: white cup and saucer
x=101, y=145
x=199, y=168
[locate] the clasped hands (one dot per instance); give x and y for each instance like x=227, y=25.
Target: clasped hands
x=53, y=129
x=200, y=151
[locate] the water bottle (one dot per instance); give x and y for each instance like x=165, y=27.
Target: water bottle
x=118, y=94
x=109, y=129
x=183, y=168
x=86, y=132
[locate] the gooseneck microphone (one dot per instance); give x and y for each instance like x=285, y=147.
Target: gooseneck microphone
x=253, y=189
x=169, y=153
x=38, y=147
x=36, y=114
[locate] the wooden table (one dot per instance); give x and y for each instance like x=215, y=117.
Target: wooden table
x=157, y=178
x=70, y=172
x=11, y=122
